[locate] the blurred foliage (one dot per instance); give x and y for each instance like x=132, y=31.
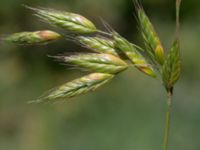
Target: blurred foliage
x=126, y=114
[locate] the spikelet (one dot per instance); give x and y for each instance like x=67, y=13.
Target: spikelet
x=103, y=63
x=70, y=21
x=131, y=52
x=98, y=44
x=151, y=39
x=31, y=38
x=172, y=66
x=76, y=87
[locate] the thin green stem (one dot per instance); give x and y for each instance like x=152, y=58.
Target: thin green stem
x=170, y=90
x=178, y=3
x=168, y=119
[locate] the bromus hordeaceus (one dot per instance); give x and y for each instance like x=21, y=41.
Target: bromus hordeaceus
x=106, y=61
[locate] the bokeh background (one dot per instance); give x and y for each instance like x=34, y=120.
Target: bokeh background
x=126, y=114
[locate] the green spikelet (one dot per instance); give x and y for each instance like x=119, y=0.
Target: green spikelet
x=98, y=44
x=37, y=37
x=103, y=63
x=70, y=21
x=132, y=53
x=76, y=87
x=151, y=39
x=172, y=66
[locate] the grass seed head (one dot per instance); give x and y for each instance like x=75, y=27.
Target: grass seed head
x=172, y=67
x=70, y=21
x=150, y=37
x=76, y=87
x=98, y=44
x=37, y=37
x=103, y=63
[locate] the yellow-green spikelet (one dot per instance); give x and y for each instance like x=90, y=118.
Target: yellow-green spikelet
x=76, y=87
x=131, y=52
x=98, y=44
x=151, y=39
x=171, y=69
x=103, y=63
x=36, y=37
x=70, y=21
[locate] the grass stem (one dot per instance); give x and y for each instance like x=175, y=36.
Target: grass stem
x=178, y=3
x=168, y=119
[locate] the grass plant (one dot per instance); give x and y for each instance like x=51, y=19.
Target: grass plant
x=106, y=60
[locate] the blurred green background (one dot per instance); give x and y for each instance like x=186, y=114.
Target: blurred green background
x=126, y=114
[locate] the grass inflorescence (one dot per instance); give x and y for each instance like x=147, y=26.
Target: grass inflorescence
x=106, y=60
x=108, y=47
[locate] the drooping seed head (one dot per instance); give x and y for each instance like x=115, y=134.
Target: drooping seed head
x=70, y=21
x=103, y=63
x=135, y=56
x=76, y=87
x=98, y=44
x=150, y=37
x=37, y=37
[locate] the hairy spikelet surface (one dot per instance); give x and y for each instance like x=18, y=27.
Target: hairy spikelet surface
x=98, y=44
x=172, y=66
x=70, y=21
x=133, y=54
x=76, y=87
x=104, y=63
